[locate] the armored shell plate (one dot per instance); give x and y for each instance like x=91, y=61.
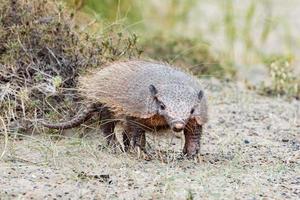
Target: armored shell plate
x=124, y=86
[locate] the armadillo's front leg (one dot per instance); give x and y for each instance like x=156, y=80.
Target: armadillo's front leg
x=192, y=134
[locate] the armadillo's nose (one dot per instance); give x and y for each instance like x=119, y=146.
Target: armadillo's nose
x=178, y=126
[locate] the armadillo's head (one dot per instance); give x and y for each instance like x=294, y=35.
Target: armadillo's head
x=178, y=104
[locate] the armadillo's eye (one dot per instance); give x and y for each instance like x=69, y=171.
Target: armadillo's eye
x=162, y=106
x=192, y=111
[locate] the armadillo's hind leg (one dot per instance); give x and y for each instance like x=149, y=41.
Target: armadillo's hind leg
x=108, y=132
x=107, y=126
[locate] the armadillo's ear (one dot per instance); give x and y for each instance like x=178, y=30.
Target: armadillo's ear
x=200, y=94
x=153, y=90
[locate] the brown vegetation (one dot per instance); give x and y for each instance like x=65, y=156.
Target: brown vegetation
x=41, y=56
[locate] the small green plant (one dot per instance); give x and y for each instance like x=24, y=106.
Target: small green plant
x=57, y=81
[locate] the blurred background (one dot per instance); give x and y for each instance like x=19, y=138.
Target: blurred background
x=244, y=37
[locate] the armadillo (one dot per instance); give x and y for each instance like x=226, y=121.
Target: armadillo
x=143, y=96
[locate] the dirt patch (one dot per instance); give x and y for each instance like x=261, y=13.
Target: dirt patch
x=250, y=150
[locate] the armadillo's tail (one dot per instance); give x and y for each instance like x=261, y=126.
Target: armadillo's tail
x=79, y=119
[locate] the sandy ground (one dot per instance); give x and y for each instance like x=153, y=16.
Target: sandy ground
x=250, y=150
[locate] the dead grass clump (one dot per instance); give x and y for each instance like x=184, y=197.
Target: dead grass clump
x=41, y=56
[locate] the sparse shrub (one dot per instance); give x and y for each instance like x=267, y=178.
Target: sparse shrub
x=42, y=54
x=283, y=81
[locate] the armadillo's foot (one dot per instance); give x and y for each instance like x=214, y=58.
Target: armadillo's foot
x=139, y=140
x=137, y=145
x=134, y=139
x=134, y=143
x=141, y=153
x=192, y=141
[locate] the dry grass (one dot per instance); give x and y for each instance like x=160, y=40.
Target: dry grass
x=42, y=54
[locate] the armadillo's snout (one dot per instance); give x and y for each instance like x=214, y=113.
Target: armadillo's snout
x=178, y=126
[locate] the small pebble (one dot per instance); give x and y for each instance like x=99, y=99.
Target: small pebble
x=246, y=141
x=221, y=121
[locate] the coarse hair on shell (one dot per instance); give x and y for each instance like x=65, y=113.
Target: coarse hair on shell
x=123, y=86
